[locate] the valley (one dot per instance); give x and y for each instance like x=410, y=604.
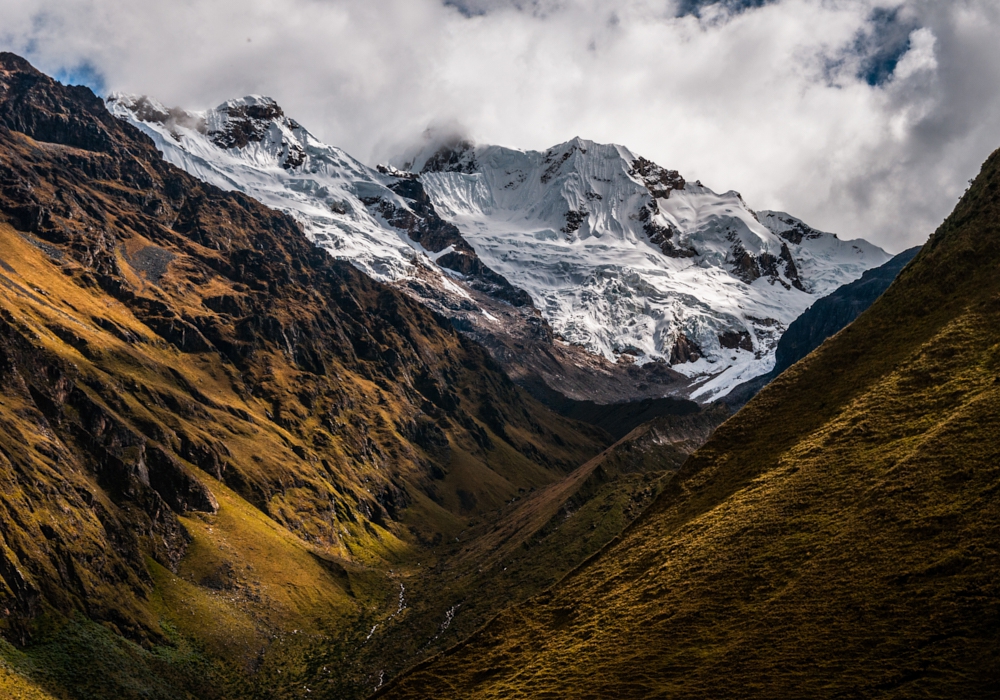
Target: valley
x=276, y=424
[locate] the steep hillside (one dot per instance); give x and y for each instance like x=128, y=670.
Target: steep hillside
x=217, y=443
x=839, y=537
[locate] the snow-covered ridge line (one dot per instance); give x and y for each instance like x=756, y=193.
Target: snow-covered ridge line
x=251, y=146
x=621, y=256
x=633, y=262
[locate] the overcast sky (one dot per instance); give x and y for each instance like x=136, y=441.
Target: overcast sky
x=863, y=117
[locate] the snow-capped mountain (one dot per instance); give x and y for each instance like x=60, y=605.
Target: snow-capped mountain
x=621, y=257
x=625, y=257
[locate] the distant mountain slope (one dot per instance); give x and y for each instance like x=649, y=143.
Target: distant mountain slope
x=839, y=537
x=836, y=311
x=669, y=287
x=824, y=319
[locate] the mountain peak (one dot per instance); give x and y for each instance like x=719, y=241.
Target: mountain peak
x=451, y=154
x=577, y=143
x=11, y=62
x=240, y=122
x=627, y=259
x=251, y=101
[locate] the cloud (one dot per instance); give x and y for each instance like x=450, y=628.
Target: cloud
x=695, y=7
x=882, y=43
x=864, y=117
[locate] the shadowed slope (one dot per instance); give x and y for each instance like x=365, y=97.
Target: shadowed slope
x=838, y=537
x=822, y=320
x=530, y=543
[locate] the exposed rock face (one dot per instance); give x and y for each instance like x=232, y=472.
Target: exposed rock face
x=788, y=227
x=243, y=124
x=664, y=237
x=422, y=225
x=659, y=181
x=574, y=219
x=733, y=341
x=824, y=319
x=456, y=157
x=684, y=351
x=780, y=269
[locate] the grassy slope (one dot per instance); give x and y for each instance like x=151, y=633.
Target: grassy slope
x=246, y=581
x=532, y=542
x=334, y=431
x=273, y=581
x=839, y=536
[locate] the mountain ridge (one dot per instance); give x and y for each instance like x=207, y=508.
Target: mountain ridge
x=696, y=283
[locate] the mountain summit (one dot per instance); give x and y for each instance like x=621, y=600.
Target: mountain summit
x=625, y=257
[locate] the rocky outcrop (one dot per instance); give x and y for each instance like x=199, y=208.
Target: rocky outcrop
x=423, y=225
x=732, y=340
x=421, y=222
x=788, y=227
x=457, y=156
x=777, y=269
x=658, y=180
x=574, y=220
x=685, y=350
x=245, y=123
x=665, y=238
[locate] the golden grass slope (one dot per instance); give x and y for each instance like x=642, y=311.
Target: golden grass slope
x=839, y=537
x=532, y=542
x=218, y=446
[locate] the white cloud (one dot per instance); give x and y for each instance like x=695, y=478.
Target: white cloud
x=768, y=102
x=920, y=57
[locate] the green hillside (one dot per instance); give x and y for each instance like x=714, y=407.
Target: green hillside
x=839, y=537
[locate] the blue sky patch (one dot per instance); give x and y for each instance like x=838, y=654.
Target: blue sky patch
x=82, y=74
x=693, y=7
x=883, y=45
